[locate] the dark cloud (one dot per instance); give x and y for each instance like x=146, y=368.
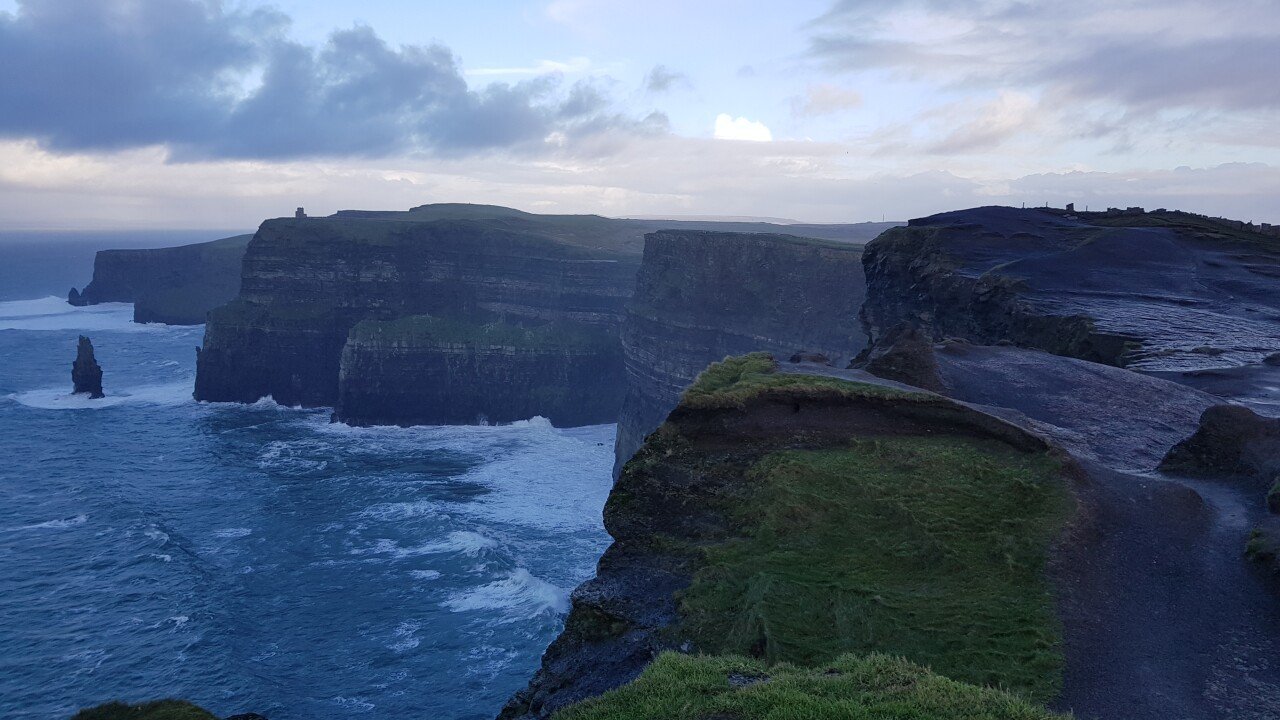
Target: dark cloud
x=1143, y=54
x=209, y=80
x=662, y=78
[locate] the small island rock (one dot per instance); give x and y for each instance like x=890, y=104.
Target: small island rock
x=85, y=373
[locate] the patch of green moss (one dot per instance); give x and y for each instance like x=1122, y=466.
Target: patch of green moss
x=1261, y=547
x=735, y=380
x=932, y=548
x=430, y=329
x=875, y=687
x=156, y=710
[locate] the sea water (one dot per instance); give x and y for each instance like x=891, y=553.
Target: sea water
x=259, y=558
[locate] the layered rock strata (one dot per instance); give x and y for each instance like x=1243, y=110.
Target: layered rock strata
x=308, y=282
x=175, y=286
x=703, y=296
x=1153, y=291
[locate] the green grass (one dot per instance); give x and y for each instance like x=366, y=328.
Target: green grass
x=932, y=548
x=875, y=687
x=157, y=710
x=735, y=380
x=424, y=328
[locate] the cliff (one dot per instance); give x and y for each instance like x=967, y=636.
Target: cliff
x=793, y=517
x=1152, y=291
x=308, y=282
x=420, y=370
x=175, y=286
x=701, y=296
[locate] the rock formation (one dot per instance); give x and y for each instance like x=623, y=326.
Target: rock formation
x=175, y=286
x=86, y=376
x=702, y=296
x=420, y=370
x=308, y=283
x=751, y=445
x=1150, y=291
x=497, y=286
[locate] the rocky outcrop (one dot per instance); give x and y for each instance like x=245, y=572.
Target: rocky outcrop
x=1154, y=291
x=308, y=282
x=1231, y=440
x=86, y=375
x=702, y=296
x=689, y=570
x=421, y=370
x=175, y=286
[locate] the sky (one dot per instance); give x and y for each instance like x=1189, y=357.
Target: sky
x=119, y=114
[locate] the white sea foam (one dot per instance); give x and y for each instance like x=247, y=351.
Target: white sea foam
x=170, y=394
x=425, y=574
x=232, y=533
x=54, y=313
x=463, y=542
x=59, y=524
x=519, y=595
x=401, y=510
x=407, y=636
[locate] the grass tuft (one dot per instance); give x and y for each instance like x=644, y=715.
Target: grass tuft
x=736, y=380
x=874, y=687
x=932, y=548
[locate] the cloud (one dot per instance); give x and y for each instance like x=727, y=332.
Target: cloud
x=731, y=128
x=662, y=78
x=211, y=80
x=994, y=122
x=1144, y=54
x=661, y=174
x=825, y=99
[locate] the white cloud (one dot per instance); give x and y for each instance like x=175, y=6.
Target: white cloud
x=825, y=99
x=731, y=128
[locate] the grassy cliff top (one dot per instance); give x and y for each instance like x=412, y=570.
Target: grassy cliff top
x=736, y=380
x=875, y=687
x=426, y=329
x=732, y=238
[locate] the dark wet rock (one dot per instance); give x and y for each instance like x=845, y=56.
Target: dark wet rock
x=247, y=716
x=1273, y=360
x=175, y=286
x=807, y=357
x=1231, y=440
x=906, y=355
x=702, y=296
x=86, y=376
x=1273, y=498
x=1155, y=291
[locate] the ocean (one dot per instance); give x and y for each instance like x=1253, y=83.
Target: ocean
x=259, y=558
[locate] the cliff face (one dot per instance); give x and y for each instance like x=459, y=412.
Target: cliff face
x=1157, y=291
x=785, y=516
x=423, y=371
x=175, y=286
x=702, y=296
x=308, y=282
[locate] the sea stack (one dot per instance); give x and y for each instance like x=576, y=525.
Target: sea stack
x=85, y=373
